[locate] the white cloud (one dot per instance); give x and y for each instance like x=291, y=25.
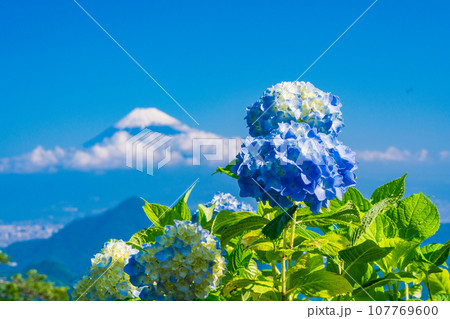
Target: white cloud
x=108, y=154
x=443, y=207
x=392, y=154
x=444, y=155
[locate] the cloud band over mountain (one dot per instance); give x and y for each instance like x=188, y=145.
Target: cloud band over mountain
x=108, y=150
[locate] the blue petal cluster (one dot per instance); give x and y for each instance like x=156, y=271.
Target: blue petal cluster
x=295, y=101
x=225, y=201
x=295, y=162
x=184, y=264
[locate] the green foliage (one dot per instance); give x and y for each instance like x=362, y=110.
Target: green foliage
x=317, y=284
x=439, y=283
x=4, y=258
x=146, y=235
x=31, y=287
x=416, y=217
x=394, y=189
x=161, y=215
x=276, y=226
x=227, y=170
x=365, y=250
x=205, y=213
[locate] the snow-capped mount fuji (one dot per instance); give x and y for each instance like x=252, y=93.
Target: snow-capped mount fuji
x=107, y=151
x=139, y=119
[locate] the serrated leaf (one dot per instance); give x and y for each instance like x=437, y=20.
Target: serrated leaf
x=400, y=276
x=181, y=211
x=394, y=189
x=382, y=227
x=155, y=212
x=354, y=195
x=402, y=254
x=370, y=216
x=239, y=258
x=205, y=214
x=322, y=284
x=308, y=262
x=439, y=283
x=247, y=224
x=366, y=252
x=247, y=284
x=227, y=169
x=347, y=215
x=147, y=235
x=416, y=217
x=226, y=218
x=436, y=253
x=275, y=227
x=441, y=297
x=329, y=243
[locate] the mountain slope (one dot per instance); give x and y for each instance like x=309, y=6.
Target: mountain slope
x=74, y=245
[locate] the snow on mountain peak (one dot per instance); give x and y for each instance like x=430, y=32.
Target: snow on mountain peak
x=148, y=117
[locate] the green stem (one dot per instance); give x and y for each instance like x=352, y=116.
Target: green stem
x=428, y=286
x=274, y=271
x=293, y=229
x=389, y=289
x=406, y=288
x=283, y=270
x=395, y=289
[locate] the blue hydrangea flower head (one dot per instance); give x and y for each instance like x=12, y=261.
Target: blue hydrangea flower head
x=183, y=264
x=106, y=279
x=295, y=162
x=295, y=101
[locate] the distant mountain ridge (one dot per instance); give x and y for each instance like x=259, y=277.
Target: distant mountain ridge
x=74, y=246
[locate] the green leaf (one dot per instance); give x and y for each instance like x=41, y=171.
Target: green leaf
x=382, y=227
x=347, y=215
x=147, y=235
x=239, y=258
x=275, y=227
x=441, y=297
x=257, y=286
x=402, y=254
x=4, y=258
x=226, y=218
x=249, y=223
x=181, y=210
x=308, y=262
x=439, y=283
x=155, y=212
x=322, y=284
x=205, y=213
x=400, y=276
x=416, y=217
x=330, y=243
x=436, y=253
x=354, y=195
x=227, y=169
x=262, y=244
x=370, y=216
x=363, y=253
x=394, y=189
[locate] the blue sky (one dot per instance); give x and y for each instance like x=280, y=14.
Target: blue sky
x=64, y=81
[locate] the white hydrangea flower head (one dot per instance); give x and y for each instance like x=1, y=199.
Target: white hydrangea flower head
x=295, y=101
x=184, y=264
x=107, y=280
x=226, y=201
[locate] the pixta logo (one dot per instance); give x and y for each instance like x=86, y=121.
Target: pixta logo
x=148, y=150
